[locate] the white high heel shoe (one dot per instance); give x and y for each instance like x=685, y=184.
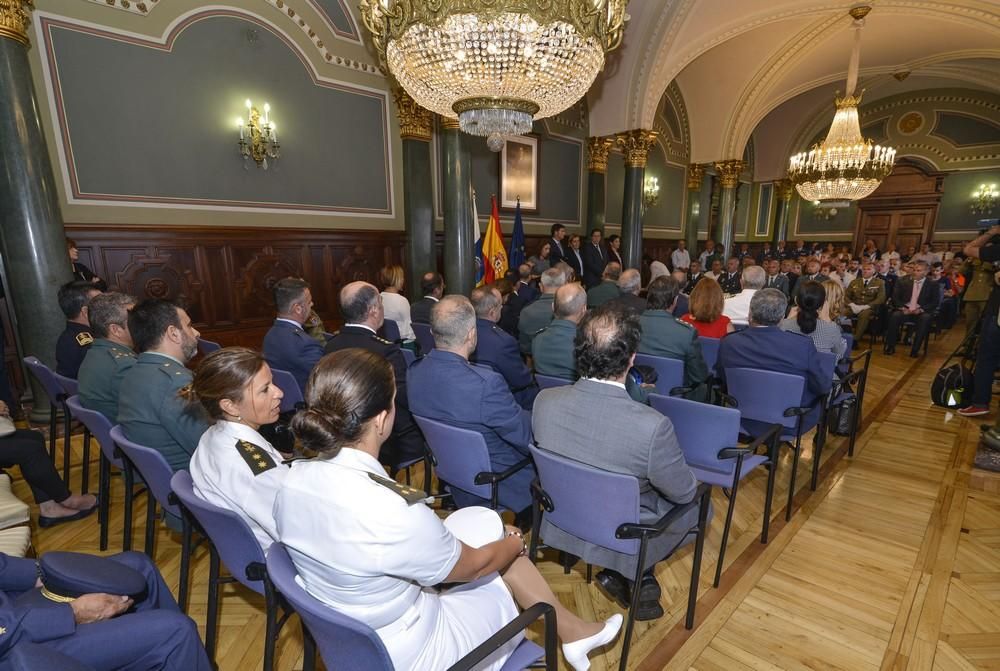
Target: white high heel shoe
x=576, y=653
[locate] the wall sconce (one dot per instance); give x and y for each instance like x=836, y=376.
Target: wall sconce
x=985, y=199
x=650, y=192
x=258, y=137
x=824, y=213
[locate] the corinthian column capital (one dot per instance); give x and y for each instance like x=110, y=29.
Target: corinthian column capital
x=729, y=172
x=597, y=153
x=636, y=145
x=15, y=15
x=415, y=122
x=696, y=173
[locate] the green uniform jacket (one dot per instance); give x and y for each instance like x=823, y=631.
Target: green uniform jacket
x=101, y=375
x=873, y=294
x=152, y=414
x=552, y=350
x=663, y=335
x=534, y=317
x=602, y=293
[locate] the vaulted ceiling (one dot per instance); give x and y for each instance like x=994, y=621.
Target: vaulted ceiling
x=776, y=64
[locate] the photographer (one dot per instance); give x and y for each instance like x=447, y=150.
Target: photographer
x=986, y=248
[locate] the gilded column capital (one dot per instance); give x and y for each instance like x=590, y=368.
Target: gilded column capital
x=696, y=173
x=15, y=15
x=597, y=153
x=447, y=123
x=729, y=172
x=785, y=188
x=636, y=144
x=415, y=122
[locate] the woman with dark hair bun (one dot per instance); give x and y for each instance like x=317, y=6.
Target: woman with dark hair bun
x=364, y=546
x=805, y=319
x=234, y=467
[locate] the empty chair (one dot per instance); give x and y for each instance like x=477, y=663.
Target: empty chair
x=156, y=473
x=669, y=372
x=206, y=347
x=602, y=508
x=47, y=377
x=409, y=356
x=293, y=398
x=349, y=645
x=463, y=460
x=233, y=543
x=710, y=351
x=424, y=336
x=708, y=436
x=549, y=381
x=70, y=388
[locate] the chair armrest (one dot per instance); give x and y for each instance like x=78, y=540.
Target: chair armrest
x=799, y=411
x=488, y=478
x=256, y=571
x=766, y=437
x=852, y=377
x=637, y=530
x=680, y=391
x=540, y=497
x=511, y=629
x=867, y=355
x=733, y=452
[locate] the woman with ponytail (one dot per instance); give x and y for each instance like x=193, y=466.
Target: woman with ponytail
x=366, y=547
x=234, y=467
x=806, y=319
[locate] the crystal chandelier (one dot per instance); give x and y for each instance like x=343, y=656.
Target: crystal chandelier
x=844, y=166
x=495, y=65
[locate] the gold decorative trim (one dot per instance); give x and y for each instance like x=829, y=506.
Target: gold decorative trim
x=636, y=145
x=860, y=12
x=785, y=189
x=695, y=175
x=15, y=15
x=597, y=154
x=487, y=102
x=415, y=122
x=447, y=123
x=729, y=172
x=58, y=598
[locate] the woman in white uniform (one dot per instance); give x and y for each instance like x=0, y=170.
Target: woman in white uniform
x=362, y=549
x=234, y=467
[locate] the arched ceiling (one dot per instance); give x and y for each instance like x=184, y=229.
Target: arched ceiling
x=736, y=62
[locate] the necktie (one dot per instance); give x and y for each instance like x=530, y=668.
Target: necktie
x=913, y=304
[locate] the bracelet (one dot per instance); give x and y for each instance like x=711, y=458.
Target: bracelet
x=524, y=544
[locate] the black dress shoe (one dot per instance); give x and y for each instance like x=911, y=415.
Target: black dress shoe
x=45, y=522
x=889, y=351
x=615, y=585
x=649, y=607
x=914, y=355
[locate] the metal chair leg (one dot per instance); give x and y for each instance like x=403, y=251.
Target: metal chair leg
x=67, y=427
x=699, y=548
x=150, y=524
x=129, y=501
x=270, y=625
x=184, y=580
x=85, y=484
x=308, y=650
x=633, y=605
x=53, y=424
x=212, y=616
x=791, y=480
x=427, y=475
x=104, y=493
x=729, y=520
x=772, y=473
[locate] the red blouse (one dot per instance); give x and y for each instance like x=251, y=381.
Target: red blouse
x=715, y=329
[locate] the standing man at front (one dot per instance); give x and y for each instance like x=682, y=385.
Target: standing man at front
x=594, y=260
x=680, y=259
x=149, y=409
x=286, y=345
x=558, y=251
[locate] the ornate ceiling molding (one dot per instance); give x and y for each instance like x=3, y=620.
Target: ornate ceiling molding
x=353, y=36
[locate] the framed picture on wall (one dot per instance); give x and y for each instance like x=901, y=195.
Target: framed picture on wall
x=519, y=173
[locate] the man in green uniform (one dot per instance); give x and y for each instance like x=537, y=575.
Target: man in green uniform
x=865, y=295
x=111, y=355
x=537, y=315
x=665, y=336
x=552, y=348
x=607, y=290
x=150, y=410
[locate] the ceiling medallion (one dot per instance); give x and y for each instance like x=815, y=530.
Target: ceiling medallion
x=495, y=65
x=844, y=166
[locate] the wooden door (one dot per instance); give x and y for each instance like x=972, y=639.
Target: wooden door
x=902, y=210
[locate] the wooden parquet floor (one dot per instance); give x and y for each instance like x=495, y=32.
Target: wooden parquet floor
x=892, y=564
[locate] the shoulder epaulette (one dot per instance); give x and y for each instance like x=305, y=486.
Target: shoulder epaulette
x=409, y=494
x=257, y=459
x=382, y=340
x=84, y=338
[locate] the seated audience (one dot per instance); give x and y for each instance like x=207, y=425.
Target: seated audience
x=835, y=306
x=510, y=312
x=432, y=289
x=56, y=504
x=105, y=632
x=150, y=410
x=537, y=315
x=682, y=306
x=80, y=271
x=629, y=284
x=825, y=334
x=666, y=336
x=657, y=269
x=706, y=304
x=582, y=421
x=286, y=345
x=381, y=561
x=525, y=289
x=76, y=338
x=110, y=357
x=694, y=275
x=915, y=298
x=394, y=303
x=361, y=308
x=498, y=349
x=765, y=346
x=865, y=295
x=715, y=269
x=607, y=290
x=729, y=280
x=444, y=386
x=552, y=347
x=812, y=272
x=234, y=467
x=737, y=307
x=775, y=279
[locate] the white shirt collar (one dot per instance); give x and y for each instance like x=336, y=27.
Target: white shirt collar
x=432, y=298
x=243, y=432
x=363, y=326
x=611, y=382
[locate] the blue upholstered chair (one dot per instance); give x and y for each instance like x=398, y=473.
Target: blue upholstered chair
x=669, y=372
x=206, y=347
x=424, y=336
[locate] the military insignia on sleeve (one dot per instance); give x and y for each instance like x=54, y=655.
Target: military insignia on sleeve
x=410, y=494
x=382, y=340
x=257, y=459
x=83, y=339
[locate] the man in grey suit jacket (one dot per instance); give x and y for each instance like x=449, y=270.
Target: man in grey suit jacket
x=595, y=422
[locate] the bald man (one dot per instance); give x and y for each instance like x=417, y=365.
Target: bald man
x=552, y=347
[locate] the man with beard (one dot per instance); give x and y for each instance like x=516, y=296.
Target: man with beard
x=149, y=409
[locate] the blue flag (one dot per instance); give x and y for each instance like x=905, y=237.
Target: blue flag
x=478, y=251
x=516, y=256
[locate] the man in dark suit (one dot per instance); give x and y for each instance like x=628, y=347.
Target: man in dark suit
x=432, y=289
x=694, y=276
x=286, y=345
x=594, y=260
x=665, y=335
x=361, y=308
x=498, y=349
x=916, y=299
x=76, y=339
x=629, y=285
x=775, y=280
x=607, y=290
x=445, y=387
x=557, y=251
x=767, y=253
x=788, y=272
x=574, y=257
x=552, y=349
x=681, y=307
x=811, y=273
x=729, y=280
x=582, y=420
x=525, y=290
x=767, y=347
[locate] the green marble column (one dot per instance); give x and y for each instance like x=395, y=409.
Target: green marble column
x=636, y=144
x=729, y=177
x=459, y=264
x=31, y=228
x=695, y=177
x=415, y=125
x=597, y=168
x=785, y=190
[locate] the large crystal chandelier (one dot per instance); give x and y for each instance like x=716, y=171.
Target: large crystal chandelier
x=496, y=65
x=844, y=166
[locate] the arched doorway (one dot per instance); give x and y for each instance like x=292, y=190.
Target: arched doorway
x=903, y=209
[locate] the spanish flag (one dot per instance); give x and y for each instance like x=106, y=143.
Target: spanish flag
x=494, y=254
